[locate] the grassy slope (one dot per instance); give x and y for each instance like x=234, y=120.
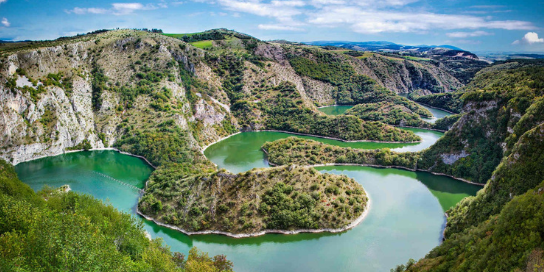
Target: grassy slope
x=203, y=44
x=282, y=198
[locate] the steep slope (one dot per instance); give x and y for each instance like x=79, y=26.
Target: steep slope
x=99, y=88
x=503, y=223
x=494, y=103
x=340, y=68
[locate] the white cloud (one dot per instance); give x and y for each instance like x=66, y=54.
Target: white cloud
x=5, y=22
x=77, y=10
x=276, y=9
x=529, y=38
x=468, y=34
x=128, y=8
x=2, y=1
x=366, y=16
x=279, y=27
x=116, y=9
x=320, y=3
x=377, y=21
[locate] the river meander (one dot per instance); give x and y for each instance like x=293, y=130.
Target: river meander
x=405, y=221
x=341, y=109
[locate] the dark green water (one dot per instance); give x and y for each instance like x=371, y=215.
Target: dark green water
x=405, y=220
x=242, y=152
x=335, y=110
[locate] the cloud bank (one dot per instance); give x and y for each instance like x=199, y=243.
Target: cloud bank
x=529, y=38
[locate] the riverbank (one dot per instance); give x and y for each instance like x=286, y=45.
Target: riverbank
x=423, y=104
x=92, y=149
x=332, y=138
x=219, y=140
x=381, y=166
x=353, y=224
x=433, y=129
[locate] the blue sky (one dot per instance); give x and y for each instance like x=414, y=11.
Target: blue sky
x=477, y=25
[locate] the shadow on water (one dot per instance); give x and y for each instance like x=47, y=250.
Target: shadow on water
x=267, y=238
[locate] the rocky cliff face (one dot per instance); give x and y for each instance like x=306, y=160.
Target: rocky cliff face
x=97, y=88
x=494, y=120
x=51, y=108
x=404, y=76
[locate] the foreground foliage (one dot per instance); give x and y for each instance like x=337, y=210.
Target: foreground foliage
x=58, y=231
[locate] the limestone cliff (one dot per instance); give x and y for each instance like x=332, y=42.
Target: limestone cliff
x=53, y=104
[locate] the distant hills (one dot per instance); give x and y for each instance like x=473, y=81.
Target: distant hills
x=380, y=46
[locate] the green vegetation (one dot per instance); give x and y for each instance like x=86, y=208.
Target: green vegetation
x=393, y=113
x=281, y=107
x=203, y=44
x=495, y=102
x=299, y=151
x=499, y=229
x=167, y=146
x=83, y=145
x=57, y=231
x=516, y=174
x=447, y=101
x=284, y=198
x=334, y=68
x=509, y=241
x=213, y=34
x=286, y=111
x=99, y=84
x=445, y=123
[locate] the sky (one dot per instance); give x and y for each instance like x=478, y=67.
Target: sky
x=475, y=25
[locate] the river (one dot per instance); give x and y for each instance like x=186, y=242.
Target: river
x=341, y=109
x=405, y=221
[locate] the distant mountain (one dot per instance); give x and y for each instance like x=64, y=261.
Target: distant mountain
x=380, y=46
x=499, y=56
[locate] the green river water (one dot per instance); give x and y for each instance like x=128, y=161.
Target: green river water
x=405, y=220
x=335, y=110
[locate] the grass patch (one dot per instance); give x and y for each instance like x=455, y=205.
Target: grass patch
x=179, y=35
x=365, y=55
x=203, y=44
x=416, y=58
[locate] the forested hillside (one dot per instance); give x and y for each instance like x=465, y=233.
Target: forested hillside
x=503, y=224
x=54, y=230
x=499, y=106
